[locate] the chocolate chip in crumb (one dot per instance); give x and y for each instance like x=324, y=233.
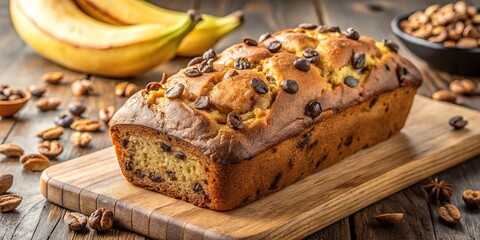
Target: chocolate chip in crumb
x=311, y=55
x=351, y=81
x=202, y=102
x=124, y=142
x=205, y=66
x=197, y=187
x=128, y=166
x=275, y=181
x=358, y=60
x=307, y=26
x=139, y=174
x=231, y=73
x=302, y=64
x=393, y=46
x=175, y=91
x=402, y=74
x=457, y=122
x=234, y=121
x=154, y=177
x=264, y=37
x=348, y=141
x=274, y=46
x=192, y=72
x=165, y=147
x=352, y=34
x=374, y=100
x=195, y=60
x=250, y=42
x=210, y=53
x=179, y=155
x=290, y=86
x=241, y=63
x=259, y=85
x=171, y=175
x=313, y=109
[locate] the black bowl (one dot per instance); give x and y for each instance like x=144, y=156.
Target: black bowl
x=453, y=60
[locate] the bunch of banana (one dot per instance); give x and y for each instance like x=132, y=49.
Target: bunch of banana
x=61, y=32
x=127, y=12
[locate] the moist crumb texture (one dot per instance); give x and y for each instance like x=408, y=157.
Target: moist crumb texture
x=258, y=117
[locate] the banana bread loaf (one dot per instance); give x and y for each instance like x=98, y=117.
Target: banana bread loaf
x=233, y=127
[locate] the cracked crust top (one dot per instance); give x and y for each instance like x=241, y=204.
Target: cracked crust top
x=267, y=118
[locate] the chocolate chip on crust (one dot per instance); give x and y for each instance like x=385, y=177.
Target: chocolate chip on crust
x=358, y=60
x=179, y=155
x=259, y=85
x=175, y=91
x=290, y=86
x=334, y=29
x=250, y=42
x=351, y=81
x=348, y=141
x=192, y=72
x=393, y=46
x=307, y=26
x=374, y=100
x=241, y=63
x=165, y=147
x=201, y=102
x=352, y=34
x=210, y=53
x=264, y=37
x=311, y=55
x=313, y=109
x=275, y=181
x=402, y=74
x=195, y=60
x=302, y=64
x=274, y=46
x=124, y=143
x=234, y=121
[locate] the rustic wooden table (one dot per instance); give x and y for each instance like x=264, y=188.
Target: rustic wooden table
x=36, y=218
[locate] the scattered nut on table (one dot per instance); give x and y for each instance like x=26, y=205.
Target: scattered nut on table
x=10, y=94
x=101, y=220
x=389, y=219
x=449, y=214
x=11, y=150
x=82, y=87
x=471, y=198
x=444, y=95
x=463, y=86
x=50, y=149
x=53, y=77
x=105, y=114
x=457, y=122
x=75, y=221
x=47, y=104
x=76, y=108
x=86, y=125
x=37, y=90
x=81, y=139
x=126, y=89
x=9, y=202
x=35, y=162
x=6, y=181
x=50, y=133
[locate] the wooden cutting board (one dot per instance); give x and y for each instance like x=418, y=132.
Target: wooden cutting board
x=427, y=145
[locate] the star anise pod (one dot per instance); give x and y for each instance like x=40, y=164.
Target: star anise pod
x=438, y=191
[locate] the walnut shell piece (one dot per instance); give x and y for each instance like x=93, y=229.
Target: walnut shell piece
x=471, y=198
x=101, y=220
x=75, y=221
x=449, y=214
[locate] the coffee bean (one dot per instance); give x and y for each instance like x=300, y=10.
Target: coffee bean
x=75, y=221
x=402, y=75
x=241, y=63
x=393, y=46
x=192, y=72
x=175, y=91
x=11, y=150
x=63, y=120
x=352, y=34
x=290, y=86
x=311, y=55
x=35, y=162
x=50, y=149
x=302, y=64
x=274, y=46
x=358, y=60
x=101, y=220
x=6, y=182
x=351, y=81
x=264, y=37
x=307, y=26
x=179, y=155
x=457, y=122
x=230, y=73
x=234, y=121
x=165, y=147
x=210, y=53
x=250, y=42
x=201, y=102
x=76, y=108
x=37, y=91
x=259, y=85
x=195, y=60
x=153, y=86
x=9, y=202
x=205, y=67
x=313, y=109
x=334, y=29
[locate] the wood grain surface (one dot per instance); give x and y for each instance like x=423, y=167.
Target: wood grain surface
x=426, y=146
x=36, y=218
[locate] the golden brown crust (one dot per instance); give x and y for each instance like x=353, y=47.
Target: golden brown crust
x=276, y=116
